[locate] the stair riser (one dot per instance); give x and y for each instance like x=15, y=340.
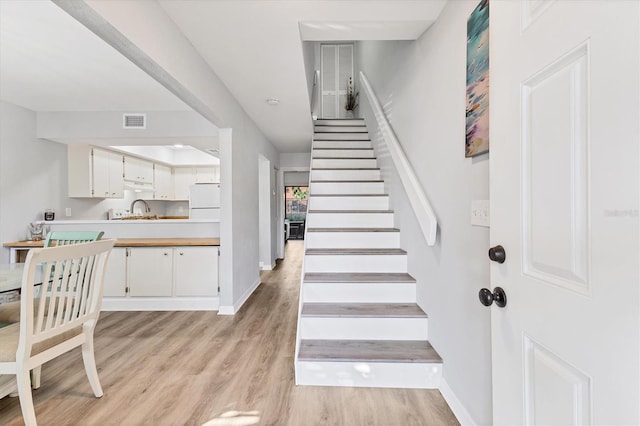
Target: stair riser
x=352, y=240
x=374, y=328
x=350, y=220
x=349, y=203
x=341, y=136
x=345, y=174
x=346, y=188
x=338, y=129
x=371, y=374
x=355, y=263
x=359, y=293
x=330, y=122
x=342, y=144
x=349, y=163
x=338, y=153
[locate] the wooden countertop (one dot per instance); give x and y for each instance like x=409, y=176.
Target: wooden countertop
x=134, y=242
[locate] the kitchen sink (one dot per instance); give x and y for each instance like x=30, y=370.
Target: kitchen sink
x=150, y=217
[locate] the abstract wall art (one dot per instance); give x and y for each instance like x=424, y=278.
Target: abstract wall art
x=477, y=139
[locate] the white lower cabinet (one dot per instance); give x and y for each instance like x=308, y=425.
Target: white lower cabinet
x=150, y=271
x=172, y=276
x=115, y=279
x=196, y=271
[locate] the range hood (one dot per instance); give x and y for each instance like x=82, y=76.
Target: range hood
x=138, y=186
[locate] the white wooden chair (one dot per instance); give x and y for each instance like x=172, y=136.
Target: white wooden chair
x=72, y=277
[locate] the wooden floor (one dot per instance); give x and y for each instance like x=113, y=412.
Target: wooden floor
x=198, y=368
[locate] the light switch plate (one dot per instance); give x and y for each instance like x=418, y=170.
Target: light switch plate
x=480, y=213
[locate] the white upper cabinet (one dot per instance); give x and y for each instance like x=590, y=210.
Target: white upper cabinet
x=138, y=170
x=183, y=178
x=163, y=182
x=207, y=175
x=94, y=172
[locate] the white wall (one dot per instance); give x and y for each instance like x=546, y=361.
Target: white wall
x=162, y=50
x=421, y=86
x=296, y=178
x=296, y=160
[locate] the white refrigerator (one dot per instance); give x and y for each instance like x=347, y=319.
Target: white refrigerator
x=204, y=201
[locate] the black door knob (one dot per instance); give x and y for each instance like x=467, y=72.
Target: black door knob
x=497, y=254
x=487, y=297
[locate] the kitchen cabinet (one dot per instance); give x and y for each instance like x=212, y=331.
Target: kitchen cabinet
x=150, y=271
x=163, y=182
x=196, y=271
x=94, y=172
x=138, y=170
x=115, y=278
x=183, y=178
x=207, y=175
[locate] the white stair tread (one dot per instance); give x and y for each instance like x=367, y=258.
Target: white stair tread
x=353, y=230
x=418, y=351
x=343, y=158
x=362, y=310
x=349, y=195
x=362, y=277
x=350, y=211
x=344, y=169
x=347, y=181
x=355, y=251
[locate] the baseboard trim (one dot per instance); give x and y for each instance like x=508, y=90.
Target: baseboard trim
x=456, y=406
x=160, y=303
x=232, y=310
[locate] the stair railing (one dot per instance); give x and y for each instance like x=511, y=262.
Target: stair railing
x=314, y=94
x=418, y=199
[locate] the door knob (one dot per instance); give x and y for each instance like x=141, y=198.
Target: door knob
x=498, y=296
x=497, y=254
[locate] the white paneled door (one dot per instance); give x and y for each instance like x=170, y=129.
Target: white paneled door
x=336, y=68
x=564, y=206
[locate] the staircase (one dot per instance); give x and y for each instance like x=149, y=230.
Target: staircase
x=359, y=323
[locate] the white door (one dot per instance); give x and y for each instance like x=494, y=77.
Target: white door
x=335, y=69
x=196, y=271
x=150, y=271
x=564, y=205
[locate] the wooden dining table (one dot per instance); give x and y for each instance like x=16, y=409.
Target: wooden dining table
x=11, y=276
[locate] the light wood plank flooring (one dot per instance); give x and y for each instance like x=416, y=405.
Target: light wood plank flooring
x=197, y=368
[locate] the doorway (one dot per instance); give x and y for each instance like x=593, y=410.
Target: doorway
x=336, y=65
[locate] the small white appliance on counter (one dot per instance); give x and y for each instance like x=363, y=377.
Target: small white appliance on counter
x=204, y=201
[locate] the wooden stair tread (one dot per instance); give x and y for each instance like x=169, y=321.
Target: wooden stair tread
x=355, y=251
x=358, y=277
x=353, y=230
x=343, y=149
x=340, y=140
x=415, y=351
x=343, y=158
x=350, y=168
x=362, y=310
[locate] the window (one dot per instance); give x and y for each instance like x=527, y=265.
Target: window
x=295, y=202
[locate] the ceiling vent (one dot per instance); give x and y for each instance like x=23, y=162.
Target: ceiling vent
x=134, y=121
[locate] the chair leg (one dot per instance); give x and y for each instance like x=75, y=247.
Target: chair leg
x=26, y=400
x=90, y=367
x=35, y=377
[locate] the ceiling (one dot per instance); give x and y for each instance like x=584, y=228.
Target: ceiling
x=50, y=62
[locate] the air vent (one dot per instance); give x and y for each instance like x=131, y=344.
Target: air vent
x=134, y=121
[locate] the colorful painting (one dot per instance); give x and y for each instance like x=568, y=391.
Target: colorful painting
x=477, y=141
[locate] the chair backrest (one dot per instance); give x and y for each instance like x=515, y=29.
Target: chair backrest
x=73, y=275
x=62, y=238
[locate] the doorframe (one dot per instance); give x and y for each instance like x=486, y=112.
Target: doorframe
x=281, y=206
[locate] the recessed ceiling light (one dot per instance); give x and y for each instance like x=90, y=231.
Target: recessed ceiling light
x=273, y=101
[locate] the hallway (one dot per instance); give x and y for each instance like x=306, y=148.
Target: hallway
x=200, y=368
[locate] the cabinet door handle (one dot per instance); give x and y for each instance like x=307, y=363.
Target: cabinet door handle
x=181, y=253
x=166, y=254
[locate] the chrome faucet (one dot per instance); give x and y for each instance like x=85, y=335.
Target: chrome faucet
x=147, y=209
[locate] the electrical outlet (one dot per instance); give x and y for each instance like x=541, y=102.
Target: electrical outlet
x=67, y=212
x=480, y=213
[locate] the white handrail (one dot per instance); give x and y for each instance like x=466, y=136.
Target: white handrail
x=419, y=202
x=314, y=94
